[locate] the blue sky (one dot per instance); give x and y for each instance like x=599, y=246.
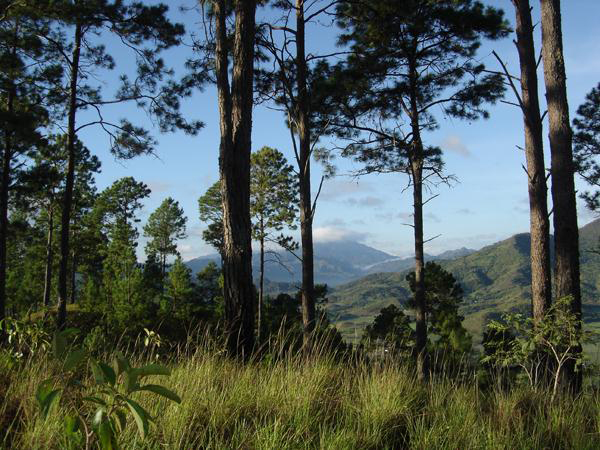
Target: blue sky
x=489, y=202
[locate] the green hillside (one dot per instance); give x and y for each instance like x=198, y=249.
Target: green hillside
x=495, y=279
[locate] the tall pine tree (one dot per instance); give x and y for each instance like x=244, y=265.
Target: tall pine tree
x=385, y=96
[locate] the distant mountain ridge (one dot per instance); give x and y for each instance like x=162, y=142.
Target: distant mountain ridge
x=495, y=279
x=336, y=263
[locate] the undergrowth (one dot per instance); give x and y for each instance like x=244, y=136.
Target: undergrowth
x=292, y=402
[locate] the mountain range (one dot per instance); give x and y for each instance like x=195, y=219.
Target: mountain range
x=495, y=280
x=362, y=280
x=336, y=263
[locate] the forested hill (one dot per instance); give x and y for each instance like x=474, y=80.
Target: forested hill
x=495, y=279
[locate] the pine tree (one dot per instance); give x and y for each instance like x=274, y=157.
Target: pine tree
x=562, y=170
x=586, y=149
x=443, y=297
x=165, y=227
x=126, y=305
x=383, y=97
x=273, y=199
x=179, y=290
x=27, y=75
x=40, y=189
x=211, y=212
x=143, y=30
x=541, y=279
x=286, y=81
x=391, y=329
x=235, y=110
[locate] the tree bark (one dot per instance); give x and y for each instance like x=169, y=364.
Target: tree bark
x=63, y=270
x=4, y=188
x=306, y=210
x=7, y=156
x=421, y=314
x=49, y=258
x=566, y=232
x=541, y=280
x=417, y=163
x=235, y=108
x=261, y=282
x=74, y=278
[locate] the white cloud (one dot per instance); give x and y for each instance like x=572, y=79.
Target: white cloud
x=455, y=144
x=334, y=234
x=334, y=189
x=369, y=201
x=337, y=222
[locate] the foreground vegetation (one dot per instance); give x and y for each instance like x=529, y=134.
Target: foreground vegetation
x=319, y=402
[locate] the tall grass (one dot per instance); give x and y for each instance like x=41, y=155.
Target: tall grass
x=293, y=402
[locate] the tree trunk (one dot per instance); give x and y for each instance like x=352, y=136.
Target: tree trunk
x=49, y=258
x=4, y=187
x=541, y=280
x=261, y=282
x=566, y=232
x=416, y=168
x=421, y=314
x=306, y=211
x=63, y=269
x=235, y=107
x=5, y=184
x=74, y=278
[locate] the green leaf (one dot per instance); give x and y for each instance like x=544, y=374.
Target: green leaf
x=44, y=388
x=48, y=401
x=74, y=359
x=109, y=373
x=161, y=390
x=96, y=400
x=120, y=364
x=72, y=424
x=140, y=416
x=130, y=380
x=121, y=418
x=97, y=372
x=106, y=436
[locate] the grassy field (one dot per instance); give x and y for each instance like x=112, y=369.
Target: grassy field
x=319, y=403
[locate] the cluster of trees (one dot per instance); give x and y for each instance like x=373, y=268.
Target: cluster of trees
x=391, y=329
x=401, y=66
x=53, y=55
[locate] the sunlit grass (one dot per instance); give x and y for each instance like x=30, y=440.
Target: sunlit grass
x=295, y=403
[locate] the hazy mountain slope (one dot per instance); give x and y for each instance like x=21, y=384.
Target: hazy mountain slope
x=401, y=264
x=335, y=263
x=495, y=279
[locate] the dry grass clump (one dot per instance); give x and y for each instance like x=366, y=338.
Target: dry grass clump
x=292, y=402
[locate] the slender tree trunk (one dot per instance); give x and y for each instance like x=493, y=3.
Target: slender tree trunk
x=235, y=108
x=421, y=314
x=4, y=187
x=49, y=258
x=541, y=280
x=417, y=180
x=566, y=232
x=306, y=211
x=261, y=282
x=63, y=269
x=7, y=156
x=74, y=278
